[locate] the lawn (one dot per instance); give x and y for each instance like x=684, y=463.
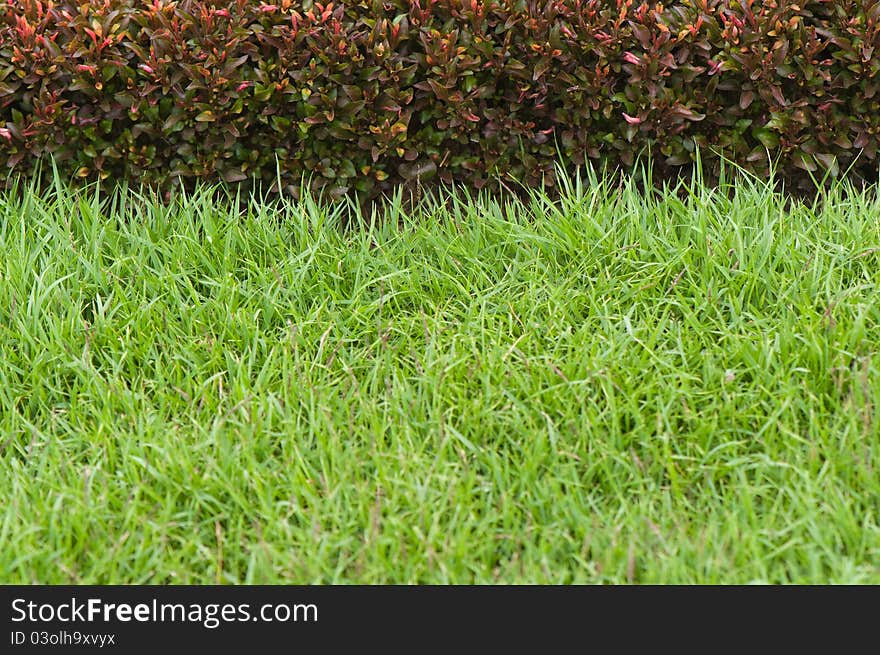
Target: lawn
x=617, y=387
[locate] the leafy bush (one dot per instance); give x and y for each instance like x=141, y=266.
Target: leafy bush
x=366, y=94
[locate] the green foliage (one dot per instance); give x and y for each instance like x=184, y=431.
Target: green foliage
x=677, y=387
x=363, y=95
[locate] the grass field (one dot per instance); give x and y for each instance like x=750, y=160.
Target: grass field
x=614, y=388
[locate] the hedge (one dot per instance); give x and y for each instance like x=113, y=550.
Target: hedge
x=365, y=95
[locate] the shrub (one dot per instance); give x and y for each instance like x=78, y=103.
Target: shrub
x=366, y=94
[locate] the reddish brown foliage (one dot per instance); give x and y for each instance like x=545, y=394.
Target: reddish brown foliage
x=366, y=94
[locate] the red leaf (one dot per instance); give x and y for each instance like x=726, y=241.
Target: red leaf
x=777, y=95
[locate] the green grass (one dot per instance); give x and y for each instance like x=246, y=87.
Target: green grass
x=615, y=388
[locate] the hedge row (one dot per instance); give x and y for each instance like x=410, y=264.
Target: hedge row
x=370, y=93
